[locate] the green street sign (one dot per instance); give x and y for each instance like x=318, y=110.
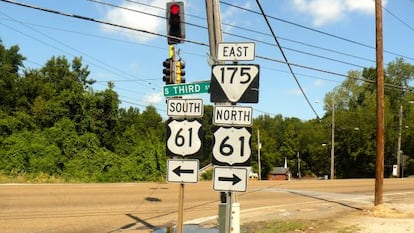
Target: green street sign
x=186, y=89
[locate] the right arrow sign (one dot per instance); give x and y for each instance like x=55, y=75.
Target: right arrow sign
x=235, y=179
x=230, y=179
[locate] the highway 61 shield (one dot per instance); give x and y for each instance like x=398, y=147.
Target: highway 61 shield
x=231, y=146
x=184, y=137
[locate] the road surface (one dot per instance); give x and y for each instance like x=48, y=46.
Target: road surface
x=140, y=207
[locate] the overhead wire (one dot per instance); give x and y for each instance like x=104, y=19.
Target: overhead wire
x=296, y=42
x=122, y=26
x=243, y=37
x=136, y=43
x=286, y=60
x=98, y=21
x=389, y=85
x=398, y=19
x=264, y=42
x=254, y=31
x=102, y=65
x=316, y=30
x=157, y=34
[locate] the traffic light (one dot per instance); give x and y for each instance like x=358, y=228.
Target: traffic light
x=167, y=71
x=175, y=22
x=179, y=71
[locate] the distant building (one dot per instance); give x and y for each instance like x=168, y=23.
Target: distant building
x=279, y=173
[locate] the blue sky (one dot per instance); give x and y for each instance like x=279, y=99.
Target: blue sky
x=133, y=61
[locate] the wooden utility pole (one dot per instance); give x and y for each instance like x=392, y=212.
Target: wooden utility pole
x=379, y=172
x=214, y=26
x=259, y=147
x=333, y=141
x=399, y=141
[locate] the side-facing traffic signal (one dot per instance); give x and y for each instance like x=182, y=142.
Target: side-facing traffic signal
x=168, y=71
x=179, y=71
x=175, y=22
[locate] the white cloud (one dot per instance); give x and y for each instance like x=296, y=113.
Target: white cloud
x=232, y=15
x=154, y=98
x=319, y=83
x=295, y=91
x=322, y=11
x=363, y=6
x=330, y=11
x=137, y=20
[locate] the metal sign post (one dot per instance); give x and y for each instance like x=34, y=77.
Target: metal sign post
x=229, y=203
x=232, y=84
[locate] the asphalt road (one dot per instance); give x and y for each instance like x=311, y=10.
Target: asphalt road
x=140, y=207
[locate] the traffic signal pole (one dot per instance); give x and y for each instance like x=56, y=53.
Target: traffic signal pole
x=174, y=71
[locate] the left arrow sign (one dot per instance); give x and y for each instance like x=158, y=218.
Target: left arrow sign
x=180, y=171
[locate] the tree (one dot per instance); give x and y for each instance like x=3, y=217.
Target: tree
x=10, y=63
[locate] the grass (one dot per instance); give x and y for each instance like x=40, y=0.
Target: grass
x=278, y=226
x=350, y=229
x=298, y=226
x=289, y=226
x=26, y=178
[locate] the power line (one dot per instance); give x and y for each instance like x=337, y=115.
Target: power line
x=97, y=21
x=256, y=32
x=243, y=37
x=286, y=60
x=389, y=85
x=103, y=64
x=295, y=50
x=129, y=42
x=157, y=34
x=316, y=30
x=399, y=19
x=141, y=12
x=249, y=38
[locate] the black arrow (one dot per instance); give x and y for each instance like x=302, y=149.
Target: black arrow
x=178, y=171
x=235, y=179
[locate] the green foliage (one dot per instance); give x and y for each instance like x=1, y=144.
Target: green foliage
x=207, y=175
x=355, y=128
x=53, y=124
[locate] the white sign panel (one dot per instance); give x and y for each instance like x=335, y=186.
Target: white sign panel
x=185, y=107
x=231, y=179
x=182, y=171
x=232, y=146
x=233, y=115
x=184, y=137
x=234, y=80
x=236, y=51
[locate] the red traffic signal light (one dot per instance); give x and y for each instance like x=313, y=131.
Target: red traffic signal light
x=175, y=9
x=175, y=22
